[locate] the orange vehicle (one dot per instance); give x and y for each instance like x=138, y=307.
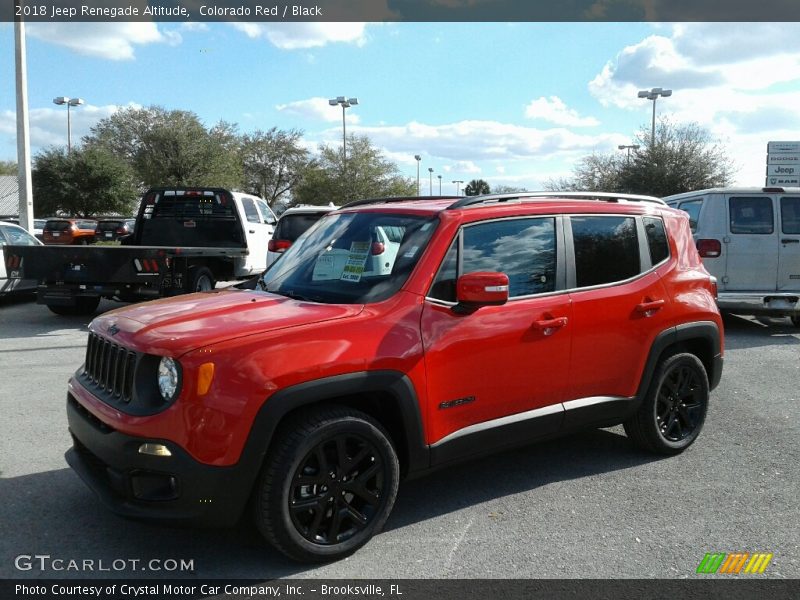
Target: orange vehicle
x=69, y=231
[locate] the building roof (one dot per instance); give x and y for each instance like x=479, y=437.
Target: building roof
x=9, y=196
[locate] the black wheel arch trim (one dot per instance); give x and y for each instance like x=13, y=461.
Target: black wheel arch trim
x=706, y=331
x=394, y=383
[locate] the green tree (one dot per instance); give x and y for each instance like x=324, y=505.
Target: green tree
x=507, y=189
x=8, y=167
x=273, y=162
x=684, y=157
x=477, y=187
x=368, y=175
x=85, y=182
x=171, y=147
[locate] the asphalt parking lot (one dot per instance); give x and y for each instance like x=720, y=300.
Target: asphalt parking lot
x=583, y=506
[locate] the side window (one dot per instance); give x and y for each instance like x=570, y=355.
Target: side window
x=790, y=214
x=606, y=249
x=266, y=212
x=752, y=215
x=250, y=210
x=656, y=239
x=16, y=237
x=523, y=249
x=692, y=208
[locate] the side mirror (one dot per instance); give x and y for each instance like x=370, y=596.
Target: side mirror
x=475, y=290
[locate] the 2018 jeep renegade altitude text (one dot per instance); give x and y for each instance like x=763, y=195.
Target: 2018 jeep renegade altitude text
x=395, y=336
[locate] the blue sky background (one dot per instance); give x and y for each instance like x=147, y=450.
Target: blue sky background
x=515, y=104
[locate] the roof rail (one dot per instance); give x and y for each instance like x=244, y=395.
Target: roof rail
x=392, y=199
x=595, y=196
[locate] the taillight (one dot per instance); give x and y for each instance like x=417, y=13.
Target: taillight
x=279, y=245
x=709, y=248
x=378, y=248
x=121, y=230
x=714, y=286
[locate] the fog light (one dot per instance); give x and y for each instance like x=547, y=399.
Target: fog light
x=153, y=486
x=154, y=450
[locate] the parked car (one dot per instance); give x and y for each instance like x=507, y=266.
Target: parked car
x=69, y=231
x=498, y=321
x=110, y=230
x=38, y=228
x=749, y=239
x=9, y=270
x=184, y=240
x=293, y=223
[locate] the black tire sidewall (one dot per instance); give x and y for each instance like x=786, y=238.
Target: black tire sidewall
x=196, y=274
x=663, y=371
x=278, y=499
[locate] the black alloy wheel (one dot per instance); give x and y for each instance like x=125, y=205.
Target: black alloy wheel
x=673, y=411
x=336, y=491
x=680, y=406
x=327, y=485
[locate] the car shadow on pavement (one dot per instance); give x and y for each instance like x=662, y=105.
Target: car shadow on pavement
x=754, y=332
x=52, y=513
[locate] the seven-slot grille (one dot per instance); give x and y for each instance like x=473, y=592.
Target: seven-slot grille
x=110, y=367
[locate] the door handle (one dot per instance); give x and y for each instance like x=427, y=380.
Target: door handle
x=789, y=241
x=550, y=326
x=649, y=307
x=251, y=230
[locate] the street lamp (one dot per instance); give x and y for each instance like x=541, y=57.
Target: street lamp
x=458, y=183
x=345, y=103
x=70, y=102
x=628, y=148
x=418, y=158
x=653, y=95
x=430, y=183
x=440, y=184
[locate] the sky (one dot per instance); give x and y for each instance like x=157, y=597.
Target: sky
x=515, y=104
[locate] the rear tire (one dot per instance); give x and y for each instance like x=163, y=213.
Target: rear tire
x=201, y=279
x=327, y=486
x=674, y=409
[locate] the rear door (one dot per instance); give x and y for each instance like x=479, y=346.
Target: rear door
x=789, y=257
x=752, y=243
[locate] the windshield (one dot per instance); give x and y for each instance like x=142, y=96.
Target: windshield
x=351, y=258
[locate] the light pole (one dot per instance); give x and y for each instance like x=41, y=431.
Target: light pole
x=628, y=148
x=418, y=158
x=70, y=102
x=345, y=103
x=440, y=184
x=458, y=183
x=653, y=95
x=430, y=183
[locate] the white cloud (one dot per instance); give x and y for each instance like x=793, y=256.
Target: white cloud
x=317, y=109
x=474, y=141
x=739, y=80
x=554, y=110
x=293, y=36
x=48, y=126
x=114, y=41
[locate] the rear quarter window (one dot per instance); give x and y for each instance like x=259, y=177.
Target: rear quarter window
x=656, y=239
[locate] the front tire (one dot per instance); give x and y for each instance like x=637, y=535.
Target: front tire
x=328, y=484
x=674, y=409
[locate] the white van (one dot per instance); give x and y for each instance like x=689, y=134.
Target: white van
x=749, y=239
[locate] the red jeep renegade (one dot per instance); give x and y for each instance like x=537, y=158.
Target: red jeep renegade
x=395, y=336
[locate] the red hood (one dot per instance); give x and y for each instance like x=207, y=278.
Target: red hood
x=174, y=326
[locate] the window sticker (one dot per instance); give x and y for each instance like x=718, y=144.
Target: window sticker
x=411, y=252
x=323, y=268
x=356, y=260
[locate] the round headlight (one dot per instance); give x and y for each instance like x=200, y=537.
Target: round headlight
x=168, y=378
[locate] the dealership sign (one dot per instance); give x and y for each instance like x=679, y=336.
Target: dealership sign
x=783, y=164
x=783, y=147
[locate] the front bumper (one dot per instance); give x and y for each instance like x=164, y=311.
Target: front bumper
x=779, y=304
x=173, y=488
